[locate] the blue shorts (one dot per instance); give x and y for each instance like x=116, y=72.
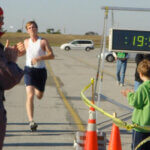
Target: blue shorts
x=35, y=77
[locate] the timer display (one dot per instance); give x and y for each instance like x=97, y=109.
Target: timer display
x=129, y=40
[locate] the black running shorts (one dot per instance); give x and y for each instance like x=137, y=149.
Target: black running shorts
x=35, y=77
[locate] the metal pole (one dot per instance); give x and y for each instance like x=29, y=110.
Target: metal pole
x=102, y=62
x=112, y=18
x=99, y=61
x=99, y=58
x=126, y=8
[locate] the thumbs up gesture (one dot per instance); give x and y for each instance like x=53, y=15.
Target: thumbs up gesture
x=21, y=48
x=11, y=53
x=7, y=43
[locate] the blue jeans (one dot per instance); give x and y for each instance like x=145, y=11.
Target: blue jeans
x=137, y=137
x=121, y=69
x=136, y=85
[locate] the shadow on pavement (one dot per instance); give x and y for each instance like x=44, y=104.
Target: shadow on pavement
x=36, y=144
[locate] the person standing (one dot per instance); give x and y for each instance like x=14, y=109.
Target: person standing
x=37, y=50
x=138, y=59
x=121, y=59
x=8, y=56
x=140, y=100
x=2, y=98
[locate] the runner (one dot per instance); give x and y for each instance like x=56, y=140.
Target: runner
x=37, y=50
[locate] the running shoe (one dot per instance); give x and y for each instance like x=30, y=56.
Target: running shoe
x=33, y=126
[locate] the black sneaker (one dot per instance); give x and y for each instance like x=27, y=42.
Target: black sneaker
x=33, y=126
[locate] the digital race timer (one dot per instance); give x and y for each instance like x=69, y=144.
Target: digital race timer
x=129, y=40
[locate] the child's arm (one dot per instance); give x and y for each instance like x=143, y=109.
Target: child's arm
x=126, y=91
x=135, y=99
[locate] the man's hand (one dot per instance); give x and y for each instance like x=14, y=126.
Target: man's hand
x=21, y=49
x=34, y=61
x=11, y=52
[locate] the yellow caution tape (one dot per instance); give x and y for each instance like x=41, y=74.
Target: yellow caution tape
x=92, y=81
x=143, y=142
x=117, y=121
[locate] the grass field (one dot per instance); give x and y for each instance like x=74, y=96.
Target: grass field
x=54, y=39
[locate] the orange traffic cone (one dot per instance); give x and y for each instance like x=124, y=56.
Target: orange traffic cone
x=115, y=140
x=91, y=142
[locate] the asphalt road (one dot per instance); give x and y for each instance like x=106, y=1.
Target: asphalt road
x=61, y=112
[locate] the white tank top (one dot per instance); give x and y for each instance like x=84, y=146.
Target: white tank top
x=34, y=50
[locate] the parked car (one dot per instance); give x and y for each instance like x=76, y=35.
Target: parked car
x=87, y=45
x=109, y=57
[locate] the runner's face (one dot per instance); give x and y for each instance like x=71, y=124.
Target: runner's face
x=32, y=29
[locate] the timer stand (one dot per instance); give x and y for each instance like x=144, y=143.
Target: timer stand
x=139, y=43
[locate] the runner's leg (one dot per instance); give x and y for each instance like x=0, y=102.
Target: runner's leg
x=30, y=102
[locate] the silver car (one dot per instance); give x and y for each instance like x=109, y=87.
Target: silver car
x=87, y=45
x=109, y=57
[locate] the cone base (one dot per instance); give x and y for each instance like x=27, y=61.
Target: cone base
x=115, y=140
x=91, y=142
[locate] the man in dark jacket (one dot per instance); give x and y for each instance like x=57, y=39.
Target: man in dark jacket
x=138, y=59
x=2, y=110
x=10, y=55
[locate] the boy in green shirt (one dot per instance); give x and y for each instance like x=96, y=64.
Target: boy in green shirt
x=140, y=100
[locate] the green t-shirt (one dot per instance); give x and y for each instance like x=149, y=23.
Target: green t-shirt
x=121, y=55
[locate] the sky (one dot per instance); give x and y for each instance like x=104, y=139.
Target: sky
x=73, y=16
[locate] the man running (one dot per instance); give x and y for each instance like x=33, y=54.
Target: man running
x=37, y=50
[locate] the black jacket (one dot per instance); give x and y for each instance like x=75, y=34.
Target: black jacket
x=138, y=59
x=2, y=98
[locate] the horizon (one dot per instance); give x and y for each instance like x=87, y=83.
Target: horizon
x=72, y=17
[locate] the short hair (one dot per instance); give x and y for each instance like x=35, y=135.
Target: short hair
x=31, y=22
x=144, y=68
